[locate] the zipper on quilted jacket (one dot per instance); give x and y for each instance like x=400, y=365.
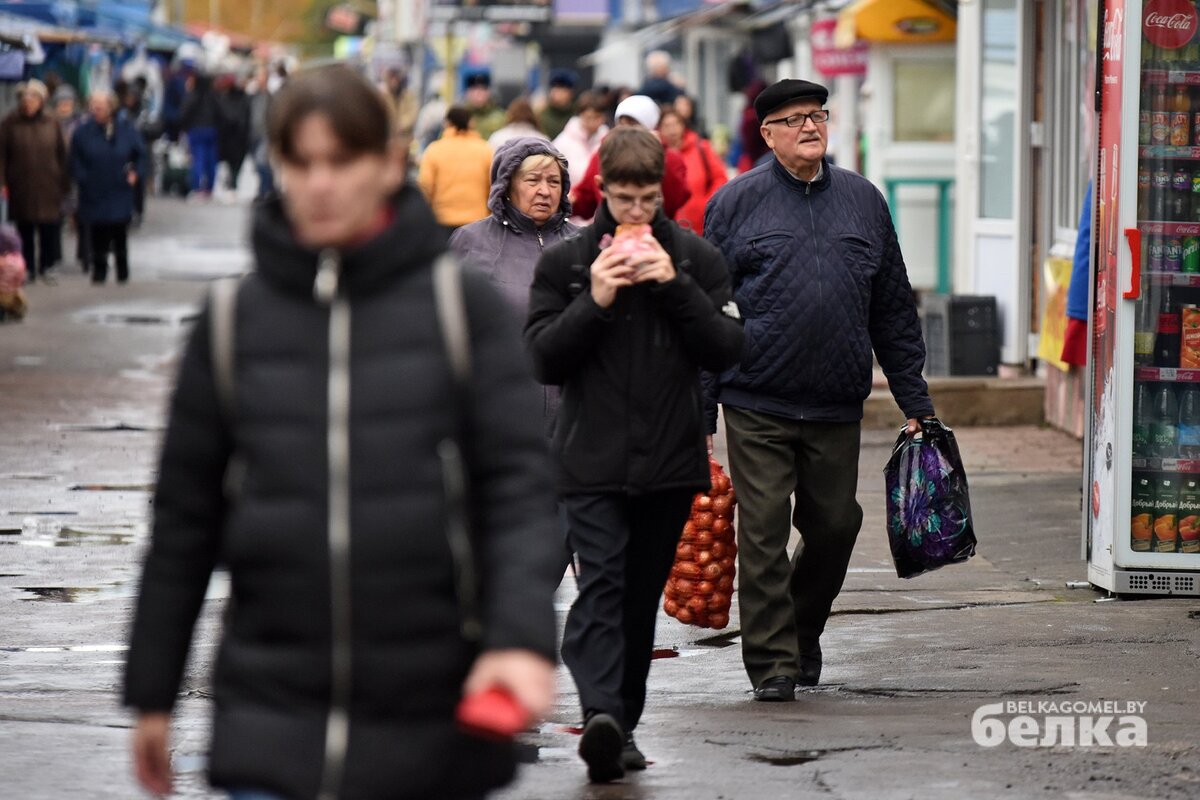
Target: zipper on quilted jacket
x=337, y=725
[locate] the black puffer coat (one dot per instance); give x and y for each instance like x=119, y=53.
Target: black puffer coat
x=278, y=534
x=631, y=414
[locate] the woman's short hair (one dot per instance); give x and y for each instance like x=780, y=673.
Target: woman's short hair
x=459, y=118
x=591, y=101
x=631, y=155
x=535, y=162
x=521, y=110
x=357, y=112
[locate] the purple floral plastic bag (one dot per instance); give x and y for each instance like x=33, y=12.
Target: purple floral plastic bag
x=928, y=506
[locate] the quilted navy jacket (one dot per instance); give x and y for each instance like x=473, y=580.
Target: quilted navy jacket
x=819, y=280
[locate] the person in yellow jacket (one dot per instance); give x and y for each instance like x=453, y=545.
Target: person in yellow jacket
x=455, y=172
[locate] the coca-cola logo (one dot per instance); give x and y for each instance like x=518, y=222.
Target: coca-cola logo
x=1170, y=23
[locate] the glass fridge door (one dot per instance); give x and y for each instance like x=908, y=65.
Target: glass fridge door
x=1165, y=491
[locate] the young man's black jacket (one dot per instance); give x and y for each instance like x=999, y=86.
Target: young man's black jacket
x=631, y=418
x=273, y=523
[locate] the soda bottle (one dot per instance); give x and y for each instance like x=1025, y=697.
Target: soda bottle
x=1160, y=117
x=1189, y=516
x=1181, y=195
x=1165, y=431
x=1144, y=117
x=1143, y=202
x=1189, y=260
x=1181, y=112
x=1142, y=514
x=1156, y=254
x=1167, y=333
x=1195, y=196
x=1143, y=420
x=1189, y=423
x=1173, y=254
x=1160, y=187
x=1144, y=328
x=1166, y=515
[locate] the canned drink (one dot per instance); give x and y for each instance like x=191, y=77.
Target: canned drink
x=1173, y=254
x=1189, y=337
x=1190, y=259
x=1156, y=254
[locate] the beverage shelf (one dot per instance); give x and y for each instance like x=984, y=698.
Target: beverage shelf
x=1191, y=279
x=1187, y=77
x=1167, y=374
x=1157, y=228
x=1169, y=151
x=1183, y=466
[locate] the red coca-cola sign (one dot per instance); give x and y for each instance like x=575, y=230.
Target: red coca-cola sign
x=1169, y=23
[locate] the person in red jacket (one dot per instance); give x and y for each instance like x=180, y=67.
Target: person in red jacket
x=639, y=111
x=705, y=171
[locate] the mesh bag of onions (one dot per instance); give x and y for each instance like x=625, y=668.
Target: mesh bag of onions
x=700, y=588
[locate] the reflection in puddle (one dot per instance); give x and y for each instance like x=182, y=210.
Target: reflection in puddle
x=75, y=537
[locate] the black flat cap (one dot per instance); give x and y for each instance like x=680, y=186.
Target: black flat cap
x=786, y=91
x=479, y=79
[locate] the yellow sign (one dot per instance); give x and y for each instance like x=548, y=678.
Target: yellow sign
x=900, y=21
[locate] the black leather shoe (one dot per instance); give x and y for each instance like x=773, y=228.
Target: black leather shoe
x=810, y=666
x=601, y=748
x=632, y=759
x=776, y=689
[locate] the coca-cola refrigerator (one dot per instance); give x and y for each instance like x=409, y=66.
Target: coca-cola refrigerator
x=1142, y=515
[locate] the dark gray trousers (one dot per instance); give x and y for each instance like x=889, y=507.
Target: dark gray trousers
x=784, y=604
x=625, y=546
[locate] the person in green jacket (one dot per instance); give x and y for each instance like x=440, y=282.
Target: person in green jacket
x=560, y=103
x=488, y=117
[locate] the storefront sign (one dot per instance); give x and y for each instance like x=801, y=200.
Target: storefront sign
x=1169, y=23
x=830, y=60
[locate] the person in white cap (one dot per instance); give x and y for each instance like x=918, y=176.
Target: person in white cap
x=640, y=111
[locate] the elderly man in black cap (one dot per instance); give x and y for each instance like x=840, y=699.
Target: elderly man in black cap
x=820, y=281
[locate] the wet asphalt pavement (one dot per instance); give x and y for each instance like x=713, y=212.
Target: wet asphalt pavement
x=83, y=386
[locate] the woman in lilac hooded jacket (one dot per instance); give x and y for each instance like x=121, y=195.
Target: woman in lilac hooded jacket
x=529, y=204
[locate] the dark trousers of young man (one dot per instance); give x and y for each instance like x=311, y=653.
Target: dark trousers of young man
x=106, y=237
x=41, y=246
x=784, y=605
x=625, y=546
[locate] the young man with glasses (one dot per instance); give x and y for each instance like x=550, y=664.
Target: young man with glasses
x=624, y=317
x=819, y=277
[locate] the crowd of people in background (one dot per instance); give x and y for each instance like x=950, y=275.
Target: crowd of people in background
x=90, y=168
x=575, y=122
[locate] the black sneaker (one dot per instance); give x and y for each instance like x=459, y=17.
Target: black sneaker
x=776, y=689
x=632, y=759
x=600, y=747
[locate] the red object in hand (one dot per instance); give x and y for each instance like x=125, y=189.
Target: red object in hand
x=493, y=713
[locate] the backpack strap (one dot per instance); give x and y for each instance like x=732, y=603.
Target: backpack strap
x=222, y=321
x=452, y=321
x=452, y=317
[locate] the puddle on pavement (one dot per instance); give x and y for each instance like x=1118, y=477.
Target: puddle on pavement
x=106, y=427
x=191, y=762
x=31, y=476
x=78, y=536
x=665, y=652
x=218, y=589
x=1194, y=615
x=726, y=639
x=77, y=648
x=786, y=759
x=169, y=316
x=112, y=487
